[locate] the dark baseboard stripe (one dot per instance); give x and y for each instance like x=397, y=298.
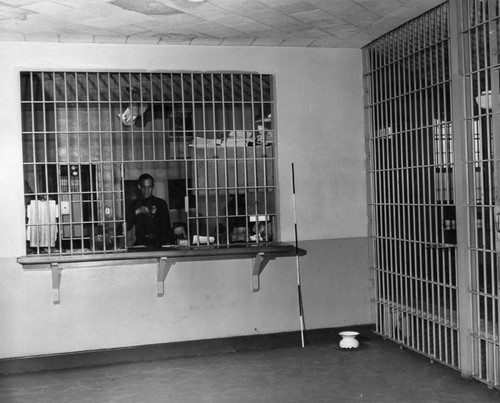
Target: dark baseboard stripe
x=174, y=350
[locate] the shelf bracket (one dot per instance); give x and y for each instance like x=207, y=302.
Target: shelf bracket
x=162, y=268
x=258, y=263
x=56, y=282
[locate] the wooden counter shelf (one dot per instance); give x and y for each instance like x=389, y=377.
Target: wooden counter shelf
x=164, y=259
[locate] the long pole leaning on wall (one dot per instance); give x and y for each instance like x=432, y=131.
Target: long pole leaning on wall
x=297, y=260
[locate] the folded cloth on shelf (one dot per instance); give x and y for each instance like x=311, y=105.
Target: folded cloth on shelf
x=42, y=223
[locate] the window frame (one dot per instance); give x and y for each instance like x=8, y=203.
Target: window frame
x=56, y=112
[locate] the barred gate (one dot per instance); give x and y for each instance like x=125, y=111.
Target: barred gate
x=411, y=162
x=433, y=128
x=478, y=38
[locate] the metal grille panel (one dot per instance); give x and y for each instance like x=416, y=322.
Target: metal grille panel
x=480, y=44
x=207, y=138
x=411, y=162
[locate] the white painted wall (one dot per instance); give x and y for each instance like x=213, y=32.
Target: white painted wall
x=320, y=129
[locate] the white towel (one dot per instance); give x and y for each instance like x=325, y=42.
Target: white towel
x=42, y=223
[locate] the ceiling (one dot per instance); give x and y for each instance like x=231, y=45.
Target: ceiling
x=287, y=23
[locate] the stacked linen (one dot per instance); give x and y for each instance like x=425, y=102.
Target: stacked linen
x=42, y=223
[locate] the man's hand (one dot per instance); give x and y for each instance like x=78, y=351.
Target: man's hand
x=142, y=210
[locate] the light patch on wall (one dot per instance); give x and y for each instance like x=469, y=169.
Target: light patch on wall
x=147, y=7
x=16, y=13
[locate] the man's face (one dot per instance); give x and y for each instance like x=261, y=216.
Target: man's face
x=146, y=187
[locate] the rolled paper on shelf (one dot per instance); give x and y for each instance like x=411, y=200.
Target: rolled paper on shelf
x=203, y=240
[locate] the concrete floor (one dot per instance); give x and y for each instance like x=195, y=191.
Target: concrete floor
x=379, y=371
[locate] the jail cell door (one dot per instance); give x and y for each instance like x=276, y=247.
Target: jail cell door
x=484, y=223
x=434, y=160
x=479, y=39
x=415, y=240
x=411, y=145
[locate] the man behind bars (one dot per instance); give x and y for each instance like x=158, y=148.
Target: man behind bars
x=149, y=215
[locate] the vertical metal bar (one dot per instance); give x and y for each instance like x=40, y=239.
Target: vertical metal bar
x=443, y=167
x=369, y=151
x=216, y=153
x=94, y=193
x=117, y=189
x=57, y=162
x=490, y=317
x=121, y=152
x=461, y=185
x=403, y=135
x=89, y=197
x=69, y=195
x=77, y=134
x=159, y=117
x=225, y=158
x=152, y=130
x=43, y=161
x=417, y=153
x=390, y=190
x=265, y=184
x=208, y=203
x=207, y=155
x=163, y=118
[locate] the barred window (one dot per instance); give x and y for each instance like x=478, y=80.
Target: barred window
x=206, y=139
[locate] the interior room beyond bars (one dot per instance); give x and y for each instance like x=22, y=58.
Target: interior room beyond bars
x=207, y=139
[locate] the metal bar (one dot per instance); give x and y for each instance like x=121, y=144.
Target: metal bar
x=226, y=162
x=462, y=186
